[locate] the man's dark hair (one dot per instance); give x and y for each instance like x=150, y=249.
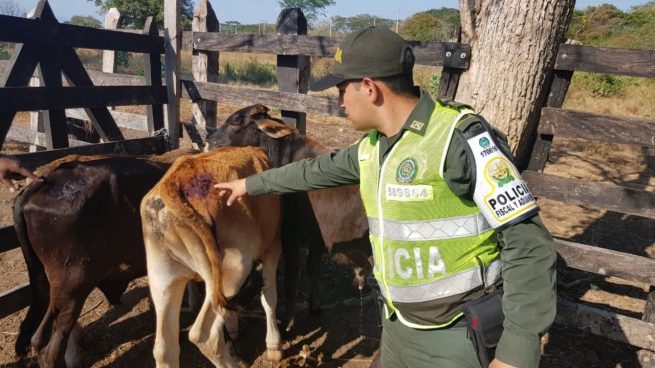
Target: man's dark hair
x=400, y=84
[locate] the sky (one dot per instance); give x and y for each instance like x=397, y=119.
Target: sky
x=266, y=11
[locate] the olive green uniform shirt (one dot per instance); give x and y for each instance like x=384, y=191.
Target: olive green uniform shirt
x=527, y=249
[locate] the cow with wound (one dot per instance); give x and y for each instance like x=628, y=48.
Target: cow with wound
x=191, y=234
x=331, y=218
x=80, y=229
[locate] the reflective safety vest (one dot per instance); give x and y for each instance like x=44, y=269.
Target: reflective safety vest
x=429, y=244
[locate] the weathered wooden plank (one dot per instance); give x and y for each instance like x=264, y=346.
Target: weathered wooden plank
x=606, y=262
x=152, y=71
x=13, y=300
x=112, y=21
x=632, y=62
x=43, y=98
x=54, y=117
x=48, y=34
x=293, y=71
x=8, y=239
x=205, y=64
x=123, y=119
x=36, y=117
x=193, y=131
x=105, y=79
x=77, y=76
x=426, y=53
x=603, y=128
x=141, y=146
x=36, y=138
x=173, y=38
x=281, y=100
x=606, y=324
x=594, y=195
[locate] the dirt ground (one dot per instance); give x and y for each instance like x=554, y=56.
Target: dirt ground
x=346, y=334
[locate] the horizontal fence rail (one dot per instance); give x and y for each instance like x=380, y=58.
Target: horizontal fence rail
x=594, y=195
x=14, y=300
x=602, y=128
x=44, y=98
x=606, y=262
x=141, y=146
x=35, y=31
x=282, y=100
x=453, y=55
x=630, y=62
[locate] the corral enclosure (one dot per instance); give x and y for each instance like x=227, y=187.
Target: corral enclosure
x=604, y=230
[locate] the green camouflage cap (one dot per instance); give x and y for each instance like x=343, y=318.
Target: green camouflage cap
x=372, y=52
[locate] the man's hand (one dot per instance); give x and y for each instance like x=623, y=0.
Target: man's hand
x=236, y=189
x=11, y=168
x=498, y=364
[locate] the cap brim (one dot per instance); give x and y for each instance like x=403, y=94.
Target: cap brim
x=326, y=82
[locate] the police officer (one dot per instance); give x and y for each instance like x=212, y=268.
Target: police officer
x=448, y=212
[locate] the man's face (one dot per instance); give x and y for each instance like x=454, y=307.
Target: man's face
x=353, y=99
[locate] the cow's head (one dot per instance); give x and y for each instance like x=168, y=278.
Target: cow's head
x=248, y=127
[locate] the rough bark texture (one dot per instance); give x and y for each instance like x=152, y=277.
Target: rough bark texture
x=514, y=45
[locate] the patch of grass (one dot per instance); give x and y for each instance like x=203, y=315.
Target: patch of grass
x=250, y=71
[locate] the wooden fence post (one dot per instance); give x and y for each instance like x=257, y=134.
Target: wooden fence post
x=36, y=117
x=205, y=64
x=173, y=46
x=152, y=73
x=293, y=71
x=112, y=21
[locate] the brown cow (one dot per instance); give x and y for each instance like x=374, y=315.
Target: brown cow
x=191, y=234
x=328, y=218
x=80, y=229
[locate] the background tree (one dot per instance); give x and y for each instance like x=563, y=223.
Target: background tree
x=135, y=12
x=448, y=20
x=311, y=8
x=515, y=44
x=420, y=27
x=85, y=21
x=11, y=7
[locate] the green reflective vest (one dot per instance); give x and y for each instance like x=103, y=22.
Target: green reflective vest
x=429, y=244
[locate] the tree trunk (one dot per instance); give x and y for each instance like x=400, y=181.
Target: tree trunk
x=514, y=46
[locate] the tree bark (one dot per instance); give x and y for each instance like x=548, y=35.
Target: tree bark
x=514, y=46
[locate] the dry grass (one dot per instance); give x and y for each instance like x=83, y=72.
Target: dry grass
x=637, y=100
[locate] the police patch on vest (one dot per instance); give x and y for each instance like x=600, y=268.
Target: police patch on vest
x=500, y=193
x=406, y=171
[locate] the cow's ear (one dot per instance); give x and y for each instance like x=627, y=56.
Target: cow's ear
x=256, y=109
x=273, y=128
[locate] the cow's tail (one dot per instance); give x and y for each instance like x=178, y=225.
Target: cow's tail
x=181, y=207
x=39, y=285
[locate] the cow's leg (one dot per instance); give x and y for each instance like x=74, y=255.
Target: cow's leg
x=314, y=271
x=269, y=301
x=51, y=339
x=207, y=334
x=167, y=291
x=72, y=357
x=291, y=243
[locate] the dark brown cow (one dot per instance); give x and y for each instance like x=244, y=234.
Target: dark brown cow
x=191, y=234
x=332, y=218
x=78, y=230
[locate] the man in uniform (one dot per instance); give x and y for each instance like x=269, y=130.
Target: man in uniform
x=448, y=212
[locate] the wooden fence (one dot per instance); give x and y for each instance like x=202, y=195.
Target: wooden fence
x=599, y=129
x=47, y=45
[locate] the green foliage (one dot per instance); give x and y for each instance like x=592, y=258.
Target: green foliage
x=250, y=71
x=135, y=12
x=3, y=50
x=434, y=84
x=311, y=8
x=448, y=19
x=602, y=85
x=420, y=27
x=84, y=21
x=122, y=59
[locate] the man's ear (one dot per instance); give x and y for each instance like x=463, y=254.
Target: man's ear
x=274, y=129
x=371, y=88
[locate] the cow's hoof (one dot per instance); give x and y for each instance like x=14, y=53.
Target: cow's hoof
x=274, y=355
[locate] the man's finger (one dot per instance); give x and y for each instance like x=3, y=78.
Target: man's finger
x=28, y=174
x=9, y=183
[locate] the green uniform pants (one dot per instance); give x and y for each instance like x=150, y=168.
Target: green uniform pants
x=405, y=347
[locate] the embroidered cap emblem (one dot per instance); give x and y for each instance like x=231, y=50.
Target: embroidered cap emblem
x=338, y=55
x=484, y=142
x=500, y=173
x=407, y=171
x=416, y=125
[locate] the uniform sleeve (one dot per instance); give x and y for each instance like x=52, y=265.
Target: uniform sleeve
x=528, y=256
x=325, y=171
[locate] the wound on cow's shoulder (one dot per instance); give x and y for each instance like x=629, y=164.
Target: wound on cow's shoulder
x=199, y=186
